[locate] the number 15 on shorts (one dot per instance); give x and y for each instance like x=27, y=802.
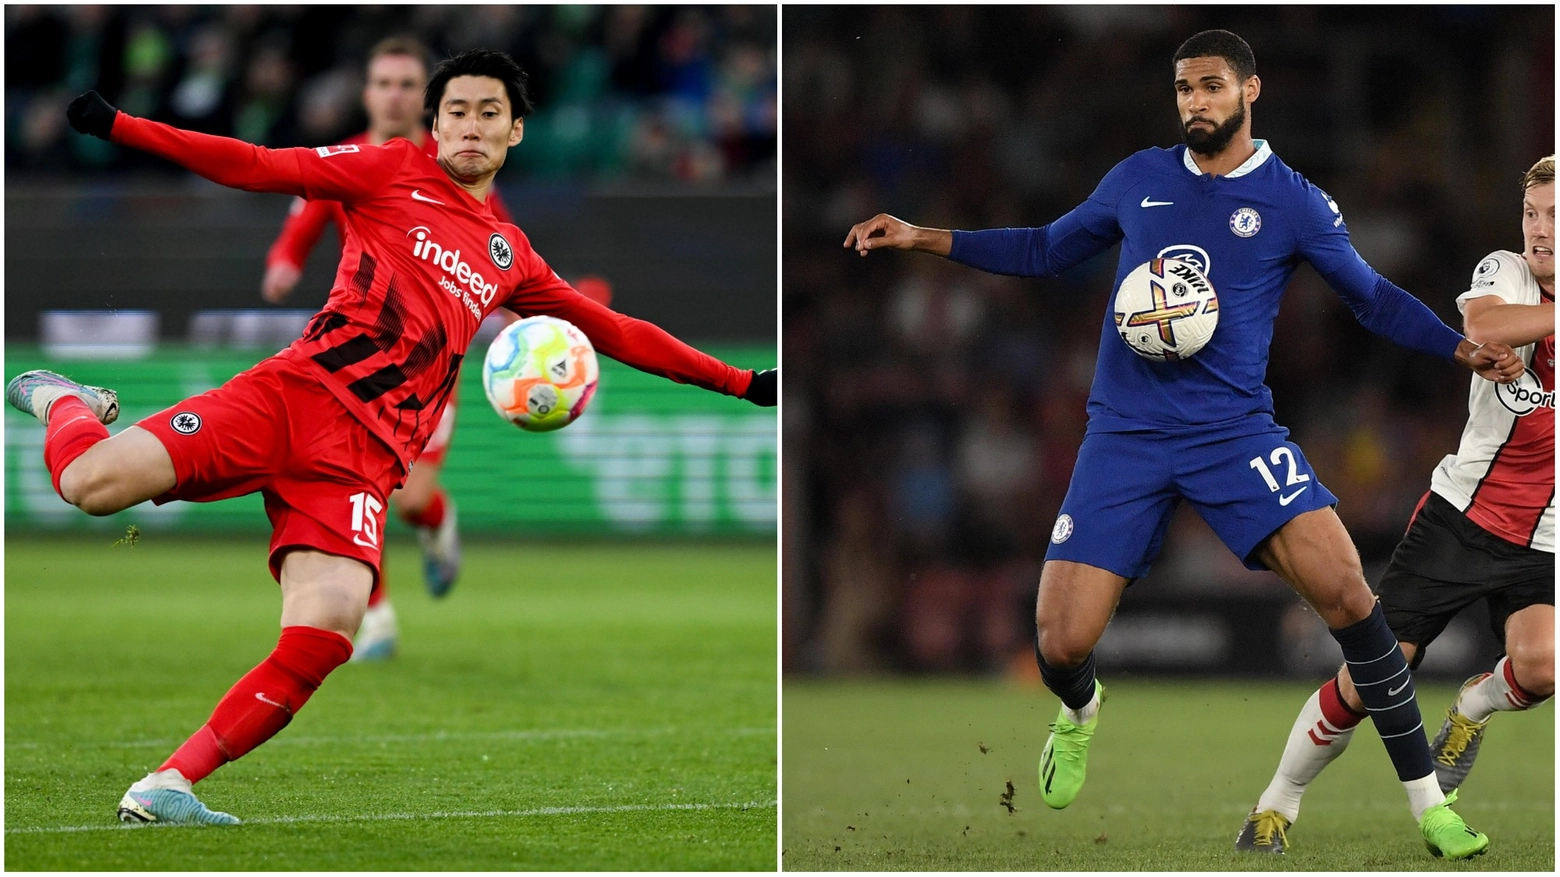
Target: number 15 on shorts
x=1283, y=460
x=365, y=519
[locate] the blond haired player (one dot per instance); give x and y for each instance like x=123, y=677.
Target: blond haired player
x=1485, y=531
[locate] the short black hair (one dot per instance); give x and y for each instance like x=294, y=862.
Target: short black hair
x=481, y=62
x=1220, y=44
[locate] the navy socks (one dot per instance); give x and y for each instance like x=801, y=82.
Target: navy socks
x=1386, y=687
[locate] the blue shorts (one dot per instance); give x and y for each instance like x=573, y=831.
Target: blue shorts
x=1246, y=481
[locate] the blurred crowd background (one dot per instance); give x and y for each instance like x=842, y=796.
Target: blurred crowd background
x=641, y=92
x=933, y=412
x=655, y=130
x=648, y=169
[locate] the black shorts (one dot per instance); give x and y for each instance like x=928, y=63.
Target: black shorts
x=1446, y=563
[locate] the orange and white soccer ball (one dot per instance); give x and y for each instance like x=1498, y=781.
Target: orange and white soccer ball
x=540, y=373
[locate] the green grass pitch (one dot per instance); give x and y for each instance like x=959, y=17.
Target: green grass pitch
x=594, y=706
x=912, y=776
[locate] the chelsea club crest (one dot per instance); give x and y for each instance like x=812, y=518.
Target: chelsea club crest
x=1245, y=222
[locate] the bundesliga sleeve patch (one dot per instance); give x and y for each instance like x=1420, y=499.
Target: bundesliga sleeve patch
x=339, y=149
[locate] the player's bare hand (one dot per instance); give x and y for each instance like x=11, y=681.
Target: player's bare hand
x=1492, y=360
x=884, y=231
x=279, y=282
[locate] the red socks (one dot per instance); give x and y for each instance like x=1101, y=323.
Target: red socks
x=263, y=702
x=1518, y=697
x=1334, y=710
x=432, y=514
x=72, y=429
x=381, y=588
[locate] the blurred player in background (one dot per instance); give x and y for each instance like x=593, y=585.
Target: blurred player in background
x=1203, y=430
x=397, y=74
x=327, y=428
x=1485, y=531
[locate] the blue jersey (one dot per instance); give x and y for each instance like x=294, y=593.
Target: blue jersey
x=1248, y=231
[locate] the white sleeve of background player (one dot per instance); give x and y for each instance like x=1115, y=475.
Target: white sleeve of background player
x=1500, y=273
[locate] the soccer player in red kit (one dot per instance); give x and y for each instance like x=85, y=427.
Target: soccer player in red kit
x=397, y=75
x=328, y=427
x=1484, y=532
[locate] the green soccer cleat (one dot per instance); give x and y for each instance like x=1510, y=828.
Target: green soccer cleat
x=1447, y=835
x=1066, y=756
x=1457, y=744
x=1263, y=833
x=35, y=392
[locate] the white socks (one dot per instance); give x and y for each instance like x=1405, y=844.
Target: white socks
x=1089, y=711
x=1497, y=692
x=1423, y=794
x=1314, y=742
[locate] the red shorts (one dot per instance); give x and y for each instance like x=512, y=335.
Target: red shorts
x=438, y=443
x=277, y=430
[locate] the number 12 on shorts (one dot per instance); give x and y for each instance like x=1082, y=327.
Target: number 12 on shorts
x=1280, y=456
x=365, y=519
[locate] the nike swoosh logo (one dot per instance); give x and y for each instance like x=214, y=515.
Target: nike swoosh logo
x=419, y=196
x=1286, y=500
x=1148, y=203
x=1392, y=691
x=263, y=698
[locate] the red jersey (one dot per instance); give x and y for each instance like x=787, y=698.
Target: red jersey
x=306, y=219
x=423, y=263
x=1503, y=474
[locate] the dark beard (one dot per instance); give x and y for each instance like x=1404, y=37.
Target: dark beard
x=1213, y=142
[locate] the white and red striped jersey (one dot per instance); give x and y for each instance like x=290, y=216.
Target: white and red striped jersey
x=1503, y=474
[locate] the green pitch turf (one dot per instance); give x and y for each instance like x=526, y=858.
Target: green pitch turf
x=568, y=706
x=913, y=776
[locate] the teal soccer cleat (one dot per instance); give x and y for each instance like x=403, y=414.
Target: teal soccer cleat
x=441, y=553
x=378, y=636
x=165, y=798
x=35, y=392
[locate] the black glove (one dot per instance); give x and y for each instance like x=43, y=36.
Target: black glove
x=90, y=114
x=765, y=388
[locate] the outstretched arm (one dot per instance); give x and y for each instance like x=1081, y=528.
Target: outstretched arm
x=1492, y=318
x=1085, y=231
x=1383, y=307
x=650, y=348
x=333, y=173
x=1387, y=310
x=1019, y=252
x=884, y=231
x=1496, y=308
x=636, y=343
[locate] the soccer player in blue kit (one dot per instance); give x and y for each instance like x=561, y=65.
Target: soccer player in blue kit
x=1202, y=430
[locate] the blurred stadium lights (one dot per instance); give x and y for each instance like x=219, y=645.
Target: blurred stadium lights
x=126, y=334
